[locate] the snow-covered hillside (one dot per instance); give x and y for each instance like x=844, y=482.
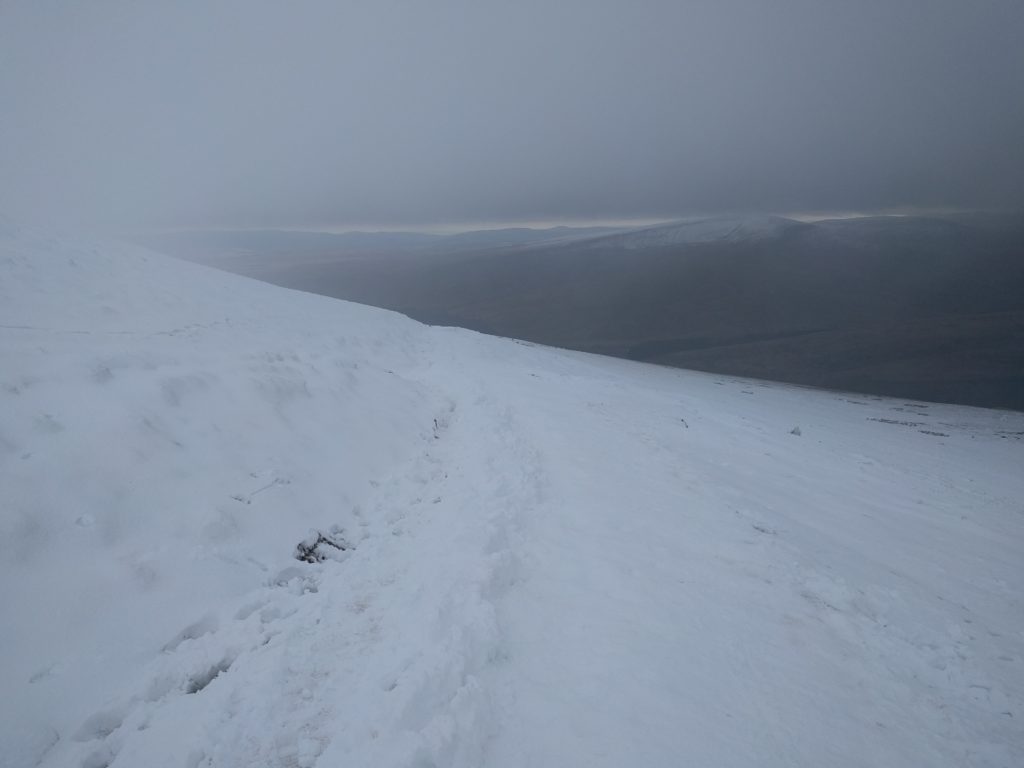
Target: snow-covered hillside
x=529, y=556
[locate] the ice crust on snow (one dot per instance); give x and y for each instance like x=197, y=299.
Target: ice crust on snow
x=555, y=558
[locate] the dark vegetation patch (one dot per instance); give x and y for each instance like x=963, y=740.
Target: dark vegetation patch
x=319, y=546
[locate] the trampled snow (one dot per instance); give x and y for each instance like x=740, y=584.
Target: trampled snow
x=526, y=556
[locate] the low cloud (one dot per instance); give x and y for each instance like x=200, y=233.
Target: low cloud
x=263, y=113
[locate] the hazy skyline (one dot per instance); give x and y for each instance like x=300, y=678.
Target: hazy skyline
x=403, y=114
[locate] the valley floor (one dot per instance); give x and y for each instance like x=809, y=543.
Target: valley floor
x=551, y=558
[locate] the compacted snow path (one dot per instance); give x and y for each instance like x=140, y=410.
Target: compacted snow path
x=528, y=556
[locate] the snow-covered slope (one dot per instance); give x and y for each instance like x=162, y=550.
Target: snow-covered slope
x=550, y=558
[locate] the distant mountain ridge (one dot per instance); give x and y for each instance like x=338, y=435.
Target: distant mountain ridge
x=297, y=246
x=698, y=230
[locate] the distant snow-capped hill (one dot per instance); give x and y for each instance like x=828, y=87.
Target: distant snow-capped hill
x=698, y=230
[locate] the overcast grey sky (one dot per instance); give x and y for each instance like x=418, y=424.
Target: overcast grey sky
x=274, y=113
